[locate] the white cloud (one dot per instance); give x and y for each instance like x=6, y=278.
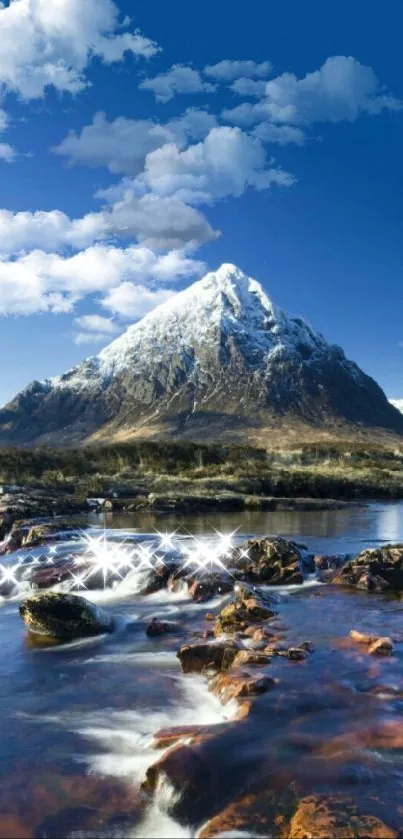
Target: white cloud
x=342, y=89
x=48, y=282
x=49, y=42
x=179, y=79
x=398, y=403
x=7, y=153
x=95, y=329
x=226, y=163
x=132, y=301
x=97, y=323
x=122, y=145
x=268, y=132
x=227, y=71
x=249, y=87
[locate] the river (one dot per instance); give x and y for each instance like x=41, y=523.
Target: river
x=77, y=720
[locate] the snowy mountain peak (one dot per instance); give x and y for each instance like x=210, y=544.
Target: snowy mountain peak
x=219, y=352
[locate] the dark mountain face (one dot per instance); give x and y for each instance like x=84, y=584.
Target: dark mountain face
x=217, y=355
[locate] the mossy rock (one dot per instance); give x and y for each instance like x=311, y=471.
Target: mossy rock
x=63, y=617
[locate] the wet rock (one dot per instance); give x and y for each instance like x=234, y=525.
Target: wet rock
x=195, y=734
x=63, y=616
x=263, y=813
x=275, y=561
x=156, y=628
x=255, y=658
x=194, y=778
x=296, y=654
x=376, y=569
x=195, y=658
x=244, y=610
x=383, y=646
x=328, y=563
x=210, y=586
x=361, y=638
x=321, y=817
x=240, y=684
x=209, y=616
x=157, y=577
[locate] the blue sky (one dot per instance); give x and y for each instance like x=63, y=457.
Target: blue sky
x=134, y=153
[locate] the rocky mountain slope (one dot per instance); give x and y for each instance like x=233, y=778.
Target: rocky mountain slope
x=218, y=360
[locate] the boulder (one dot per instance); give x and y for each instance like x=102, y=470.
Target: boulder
x=156, y=628
x=321, y=817
x=210, y=586
x=63, y=616
x=253, y=658
x=375, y=569
x=246, y=609
x=275, y=561
x=195, y=658
x=361, y=638
x=382, y=646
x=239, y=684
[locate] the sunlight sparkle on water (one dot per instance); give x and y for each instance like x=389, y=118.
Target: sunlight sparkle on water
x=111, y=561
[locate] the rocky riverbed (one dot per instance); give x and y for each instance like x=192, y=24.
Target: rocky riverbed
x=242, y=686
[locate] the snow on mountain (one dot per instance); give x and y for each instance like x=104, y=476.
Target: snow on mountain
x=218, y=353
x=397, y=403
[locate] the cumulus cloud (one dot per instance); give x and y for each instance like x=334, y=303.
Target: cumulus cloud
x=342, y=89
x=227, y=71
x=94, y=329
x=268, y=132
x=7, y=153
x=398, y=403
x=122, y=145
x=225, y=163
x=179, y=79
x=51, y=43
x=132, y=301
x=48, y=282
x=249, y=87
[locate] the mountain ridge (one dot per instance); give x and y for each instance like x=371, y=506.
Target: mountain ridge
x=219, y=354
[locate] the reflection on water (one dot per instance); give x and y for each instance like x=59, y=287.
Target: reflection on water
x=344, y=530
x=77, y=721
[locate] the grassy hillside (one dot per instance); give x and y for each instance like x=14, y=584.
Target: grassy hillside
x=322, y=469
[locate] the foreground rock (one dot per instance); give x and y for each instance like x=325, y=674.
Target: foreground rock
x=63, y=616
x=195, y=658
x=274, y=561
x=247, y=608
x=321, y=817
x=377, y=569
x=239, y=685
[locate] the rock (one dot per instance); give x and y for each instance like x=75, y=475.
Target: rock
x=238, y=685
x=238, y=614
x=262, y=813
x=167, y=737
x=210, y=586
x=63, y=616
x=275, y=561
x=195, y=658
x=382, y=646
x=251, y=657
x=296, y=654
x=321, y=817
x=157, y=578
x=156, y=628
x=209, y=616
x=376, y=569
x=308, y=646
x=328, y=563
x=361, y=638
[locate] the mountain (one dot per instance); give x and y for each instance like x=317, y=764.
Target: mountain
x=218, y=360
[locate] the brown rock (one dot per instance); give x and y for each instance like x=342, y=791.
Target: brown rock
x=239, y=684
x=156, y=628
x=275, y=561
x=375, y=569
x=296, y=654
x=195, y=658
x=209, y=586
x=383, y=646
x=361, y=638
x=251, y=657
x=322, y=817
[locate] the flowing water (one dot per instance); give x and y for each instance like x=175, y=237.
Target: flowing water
x=77, y=720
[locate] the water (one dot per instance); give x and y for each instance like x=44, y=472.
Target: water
x=77, y=721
